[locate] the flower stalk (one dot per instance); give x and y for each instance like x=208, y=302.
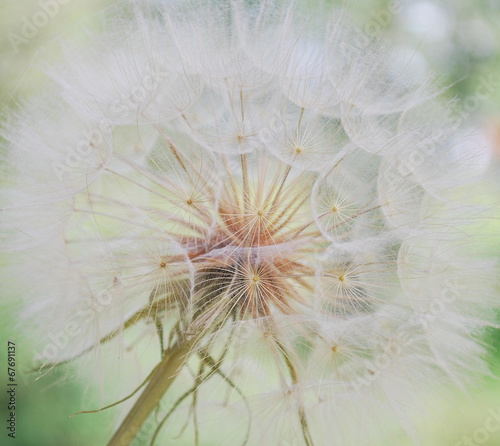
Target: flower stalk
x=173, y=360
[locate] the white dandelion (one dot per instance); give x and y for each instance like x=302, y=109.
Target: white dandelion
x=284, y=216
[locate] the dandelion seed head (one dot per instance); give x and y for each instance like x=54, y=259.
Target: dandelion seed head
x=292, y=199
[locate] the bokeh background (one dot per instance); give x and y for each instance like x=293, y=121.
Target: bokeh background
x=458, y=39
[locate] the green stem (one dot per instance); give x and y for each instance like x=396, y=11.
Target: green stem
x=158, y=385
x=295, y=379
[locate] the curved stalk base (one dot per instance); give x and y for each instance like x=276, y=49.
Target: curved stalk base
x=158, y=385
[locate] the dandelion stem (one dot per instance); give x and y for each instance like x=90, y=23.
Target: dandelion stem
x=295, y=379
x=159, y=383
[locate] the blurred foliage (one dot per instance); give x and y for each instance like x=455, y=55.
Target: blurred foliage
x=22, y=45
x=458, y=39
